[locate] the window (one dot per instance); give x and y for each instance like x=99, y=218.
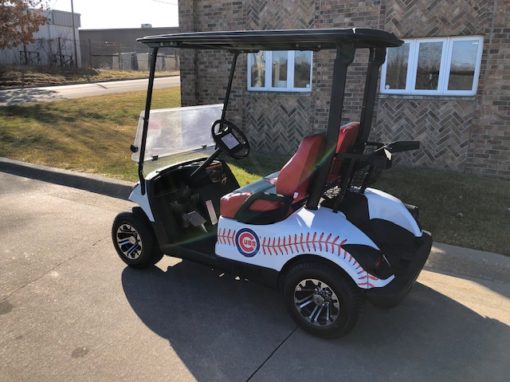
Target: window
x=436, y=66
x=284, y=71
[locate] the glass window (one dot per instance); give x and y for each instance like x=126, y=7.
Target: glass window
x=429, y=64
x=439, y=66
x=282, y=71
x=463, y=63
x=396, y=67
x=302, y=66
x=258, y=69
x=280, y=61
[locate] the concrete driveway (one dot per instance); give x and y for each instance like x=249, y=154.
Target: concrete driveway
x=53, y=93
x=70, y=310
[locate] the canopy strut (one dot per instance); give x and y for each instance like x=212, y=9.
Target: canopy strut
x=344, y=57
x=153, y=58
x=376, y=59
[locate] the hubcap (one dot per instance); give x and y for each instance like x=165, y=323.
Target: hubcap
x=129, y=241
x=316, y=302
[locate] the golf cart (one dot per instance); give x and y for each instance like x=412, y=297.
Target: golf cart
x=314, y=228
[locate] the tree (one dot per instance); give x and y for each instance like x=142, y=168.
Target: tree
x=19, y=20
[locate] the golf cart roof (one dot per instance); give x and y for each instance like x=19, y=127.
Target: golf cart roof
x=288, y=39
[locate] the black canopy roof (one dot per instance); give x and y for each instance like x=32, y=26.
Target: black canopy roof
x=289, y=39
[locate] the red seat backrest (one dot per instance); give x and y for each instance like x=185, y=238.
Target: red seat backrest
x=346, y=138
x=294, y=177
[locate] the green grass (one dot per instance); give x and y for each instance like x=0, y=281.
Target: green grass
x=16, y=76
x=90, y=134
x=93, y=134
x=467, y=210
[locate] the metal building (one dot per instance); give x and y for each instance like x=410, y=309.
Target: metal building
x=53, y=43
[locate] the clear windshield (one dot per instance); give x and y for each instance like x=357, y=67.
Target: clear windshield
x=178, y=134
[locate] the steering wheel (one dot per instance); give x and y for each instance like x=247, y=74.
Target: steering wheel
x=230, y=139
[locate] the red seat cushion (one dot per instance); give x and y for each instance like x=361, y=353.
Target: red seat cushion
x=346, y=138
x=230, y=204
x=294, y=177
x=292, y=180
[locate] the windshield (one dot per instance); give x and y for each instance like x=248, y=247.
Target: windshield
x=177, y=134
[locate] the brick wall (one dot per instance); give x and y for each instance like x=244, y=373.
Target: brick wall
x=489, y=150
x=469, y=134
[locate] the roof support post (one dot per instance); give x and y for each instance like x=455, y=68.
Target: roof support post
x=344, y=57
x=229, y=85
x=153, y=55
x=376, y=59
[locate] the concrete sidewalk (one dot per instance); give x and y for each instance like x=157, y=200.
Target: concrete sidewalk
x=54, y=93
x=71, y=310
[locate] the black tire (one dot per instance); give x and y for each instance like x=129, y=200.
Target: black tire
x=347, y=294
x=137, y=229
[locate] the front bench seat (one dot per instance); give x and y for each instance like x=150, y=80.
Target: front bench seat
x=271, y=199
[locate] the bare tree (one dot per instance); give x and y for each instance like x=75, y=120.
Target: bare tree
x=19, y=20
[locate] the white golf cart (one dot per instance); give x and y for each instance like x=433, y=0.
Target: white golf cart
x=313, y=228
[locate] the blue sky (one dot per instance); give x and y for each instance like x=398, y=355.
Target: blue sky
x=121, y=13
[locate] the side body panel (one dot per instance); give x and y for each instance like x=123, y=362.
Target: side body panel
x=386, y=207
x=142, y=200
x=312, y=232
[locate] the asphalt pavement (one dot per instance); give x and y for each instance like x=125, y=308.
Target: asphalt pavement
x=71, y=310
x=53, y=93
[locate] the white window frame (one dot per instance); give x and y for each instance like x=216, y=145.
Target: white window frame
x=291, y=55
x=444, y=72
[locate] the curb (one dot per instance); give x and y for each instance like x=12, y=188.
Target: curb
x=93, y=183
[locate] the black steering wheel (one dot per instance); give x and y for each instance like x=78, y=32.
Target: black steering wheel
x=230, y=139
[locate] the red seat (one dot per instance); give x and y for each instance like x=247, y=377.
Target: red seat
x=292, y=181
x=346, y=138
x=230, y=204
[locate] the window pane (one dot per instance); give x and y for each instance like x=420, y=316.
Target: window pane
x=429, y=62
x=302, y=65
x=258, y=69
x=279, y=79
x=396, y=67
x=462, y=69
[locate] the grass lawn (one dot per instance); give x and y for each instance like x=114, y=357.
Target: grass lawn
x=93, y=134
x=16, y=77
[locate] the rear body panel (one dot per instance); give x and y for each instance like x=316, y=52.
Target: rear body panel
x=332, y=236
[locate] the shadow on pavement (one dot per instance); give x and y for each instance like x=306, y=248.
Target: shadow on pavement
x=16, y=96
x=223, y=329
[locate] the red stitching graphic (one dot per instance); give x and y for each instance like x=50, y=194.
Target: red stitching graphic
x=363, y=280
x=226, y=236
x=293, y=243
x=285, y=245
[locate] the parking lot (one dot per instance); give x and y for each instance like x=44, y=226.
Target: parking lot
x=71, y=310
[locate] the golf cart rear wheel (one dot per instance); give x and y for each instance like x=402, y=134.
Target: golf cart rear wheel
x=321, y=300
x=134, y=240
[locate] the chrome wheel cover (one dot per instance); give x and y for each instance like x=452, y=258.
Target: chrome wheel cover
x=129, y=241
x=316, y=302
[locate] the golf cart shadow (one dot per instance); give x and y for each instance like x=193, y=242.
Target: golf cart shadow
x=224, y=329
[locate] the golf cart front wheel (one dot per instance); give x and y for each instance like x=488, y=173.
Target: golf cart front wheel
x=134, y=240
x=321, y=300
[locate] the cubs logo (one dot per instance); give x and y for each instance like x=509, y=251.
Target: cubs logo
x=247, y=242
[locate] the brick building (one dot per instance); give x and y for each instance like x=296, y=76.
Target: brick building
x=448, y=86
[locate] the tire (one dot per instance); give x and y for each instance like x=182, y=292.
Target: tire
x=134, y=240
x=343, y=314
